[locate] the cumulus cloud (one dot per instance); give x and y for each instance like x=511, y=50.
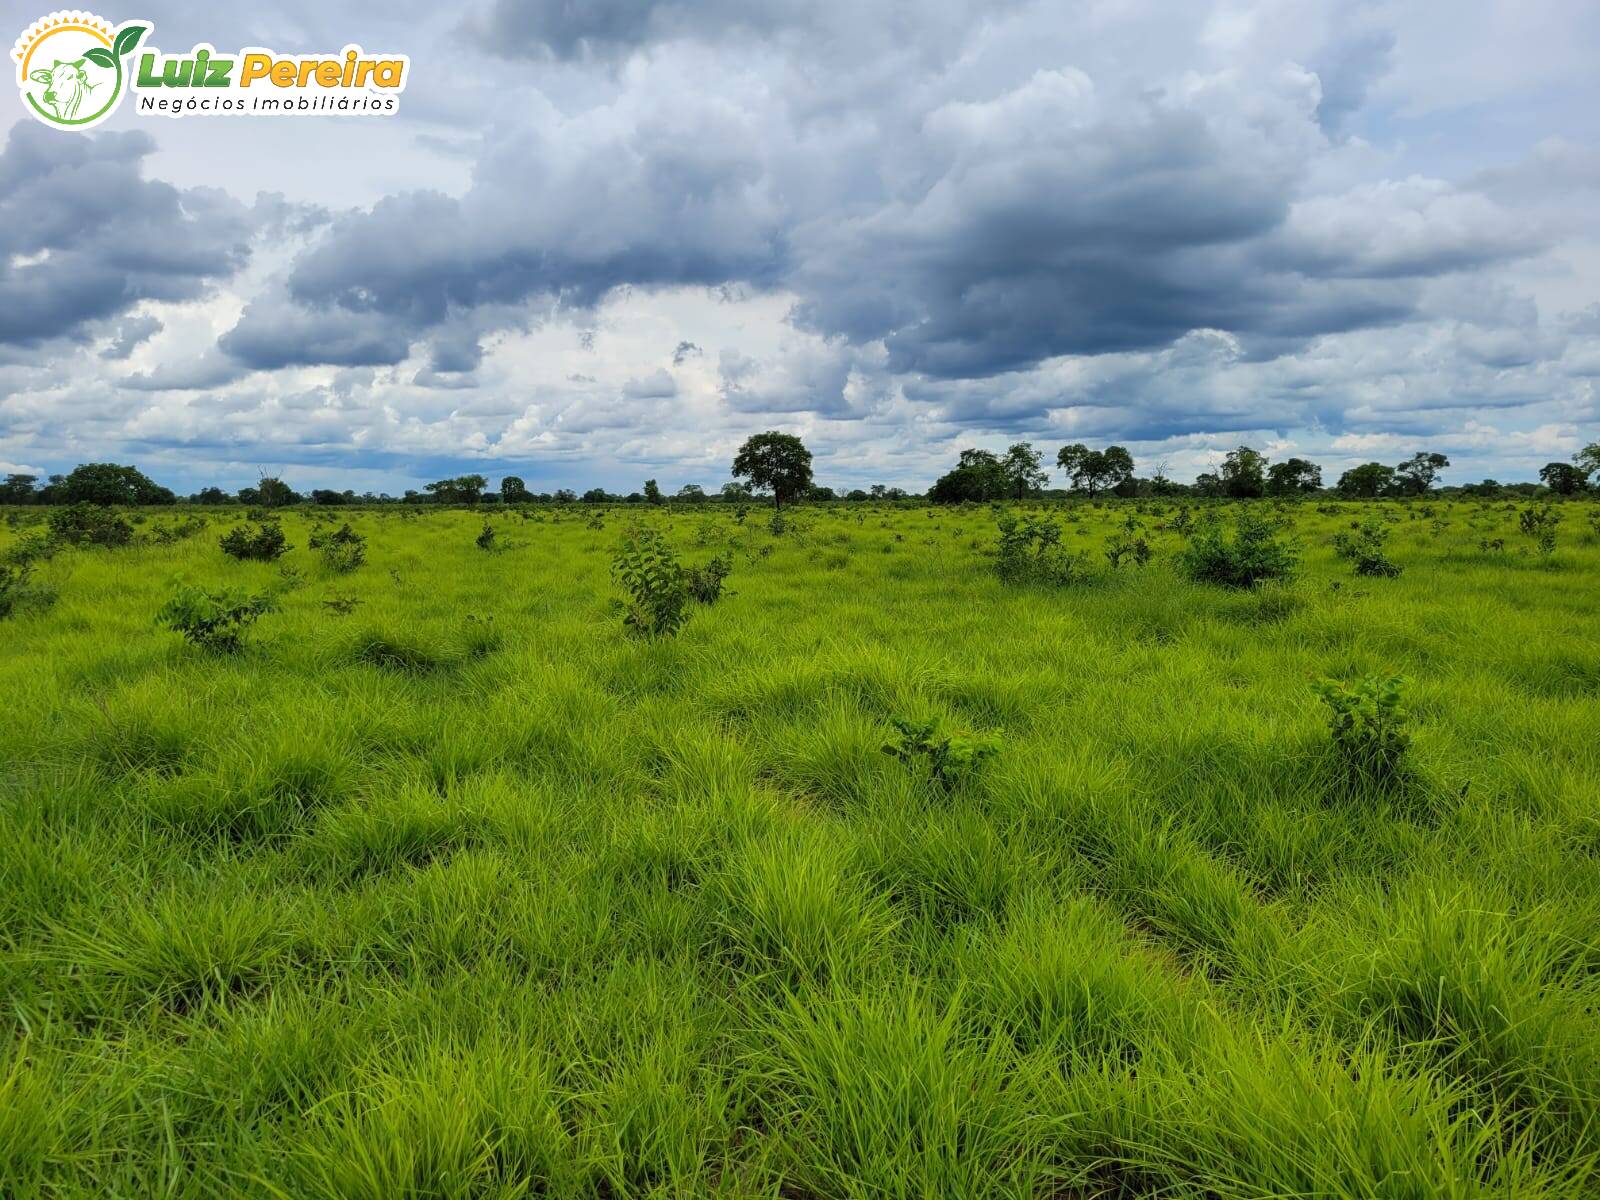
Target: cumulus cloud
x=84, y=236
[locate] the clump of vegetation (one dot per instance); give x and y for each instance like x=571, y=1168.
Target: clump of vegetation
x=1364, y=548
x=1538, y=522
x=490, y=541
x=705, y=583
x=167, y=535
x=264, y=543
x=342, y=551
x=1030, y=551
x=949, y=757
x=1127, y=547
x=13, y=586
x=1368, y=722
x=1254, y=555
x=213, y=620
x=658, y=595
x=88, y=524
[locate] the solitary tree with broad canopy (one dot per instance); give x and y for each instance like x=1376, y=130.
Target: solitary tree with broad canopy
x=1244, y=473
x=513, y=490
x=464, y=489
x=1416, y=475
x=110, y=483
x=1025, y=473
x=775, y=462
x=1293, y=475
x=1563, y=479
x=1368, y=480
x=1589, y=458
x=1094, y=470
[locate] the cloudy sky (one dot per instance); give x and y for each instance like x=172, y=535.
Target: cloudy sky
x=606, y=239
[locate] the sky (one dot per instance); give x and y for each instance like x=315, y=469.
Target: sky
x=605, y=240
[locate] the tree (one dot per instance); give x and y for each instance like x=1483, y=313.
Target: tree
x=1293, y=475
x=979, y=475
x=211, y=495
x=109, y=483
x=691, y=493
x=1589, y=458
x=1024, y=469
x=17, y=489
x=1367, y=481
x=1244, y=473
x=513, y=490
x=1563, y=479
x=464, y=489
x=1092, y=470
x=1416, y=475
x=734, y=492
x=775, y=462
x=652, y=493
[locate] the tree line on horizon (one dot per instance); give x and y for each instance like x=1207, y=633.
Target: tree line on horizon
x=778, y=465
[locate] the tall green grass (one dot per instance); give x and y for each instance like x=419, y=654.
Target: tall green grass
x=467, y=892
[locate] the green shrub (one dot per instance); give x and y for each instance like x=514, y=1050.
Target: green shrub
x=342, y=551
x=1365, y=549
x=90, y=525
x=1030, y=551
x=264, y=544
x=658, y=595
x=1539, y=521
x=1368, y=722
x=213, y=620
x=1254, y=555
x=949, y=757
x=705, y=583
x=1127, y=546
x=13, y=586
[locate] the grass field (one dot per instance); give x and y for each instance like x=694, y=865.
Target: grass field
x=468, y=892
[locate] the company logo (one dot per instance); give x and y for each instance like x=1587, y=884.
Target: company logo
x=73, y=68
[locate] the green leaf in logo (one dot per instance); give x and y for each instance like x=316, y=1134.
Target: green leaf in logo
x=128, y=38
x=100, y=57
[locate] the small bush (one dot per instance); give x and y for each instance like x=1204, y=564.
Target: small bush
x=950, y=758
x=1254, y=554
x=1030, y=551
x=1368, y=723
x=342, y=551
x=1127, y=547
x=1539, y=521
x=1364, y=548
x=89, y=525
x=263, y=544
x=13, y=587
x=705, y=583
x=213, y=620
x=658, y=595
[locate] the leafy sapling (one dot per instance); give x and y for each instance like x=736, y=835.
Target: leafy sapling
x=950, y=758
x=1368, y=720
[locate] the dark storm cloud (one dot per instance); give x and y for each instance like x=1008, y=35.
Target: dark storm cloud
x=85, y=237
x=554, y=219
x=1049, y=216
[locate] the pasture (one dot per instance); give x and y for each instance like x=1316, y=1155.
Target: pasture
x=446, y=883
